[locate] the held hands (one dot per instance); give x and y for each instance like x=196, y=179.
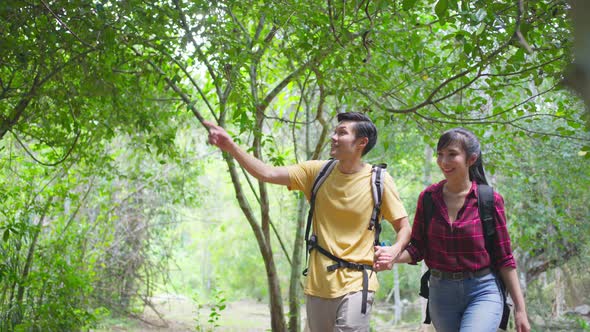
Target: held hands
x=385, y=257
x=218, y=136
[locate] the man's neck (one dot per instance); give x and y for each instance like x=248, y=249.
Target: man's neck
x=350, y=166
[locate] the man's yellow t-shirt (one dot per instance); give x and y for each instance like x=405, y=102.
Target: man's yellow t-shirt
x=343, y=208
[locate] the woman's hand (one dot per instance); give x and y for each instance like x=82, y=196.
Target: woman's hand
x=521, y=321
x=385, y=257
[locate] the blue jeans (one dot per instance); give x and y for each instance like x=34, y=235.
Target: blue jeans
x=473, y=304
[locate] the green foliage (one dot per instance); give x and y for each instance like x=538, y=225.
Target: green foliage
x=215, y=308
x=84, y=237
x=98, y=154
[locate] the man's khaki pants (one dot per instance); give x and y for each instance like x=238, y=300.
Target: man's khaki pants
x=339, y=314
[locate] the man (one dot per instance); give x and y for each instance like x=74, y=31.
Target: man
x=343, y=208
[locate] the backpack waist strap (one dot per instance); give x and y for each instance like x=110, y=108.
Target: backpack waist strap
x=341, y=263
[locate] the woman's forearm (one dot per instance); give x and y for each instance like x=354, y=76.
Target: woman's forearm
x=510, y=279
x=404, y=257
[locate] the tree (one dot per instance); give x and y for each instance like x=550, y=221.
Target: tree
x=100, y=68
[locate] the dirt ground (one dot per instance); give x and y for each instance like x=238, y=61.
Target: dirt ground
x=181, y=315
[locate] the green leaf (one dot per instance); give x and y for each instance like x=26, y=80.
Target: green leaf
x=408, y=4
x=441, y=8
x=481, y=29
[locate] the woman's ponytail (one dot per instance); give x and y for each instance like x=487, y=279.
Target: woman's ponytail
x=477, y=173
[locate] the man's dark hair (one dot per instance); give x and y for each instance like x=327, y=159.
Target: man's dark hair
x=363, y=127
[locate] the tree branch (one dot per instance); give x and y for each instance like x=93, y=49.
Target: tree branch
x=176, y=89
x=202, y=57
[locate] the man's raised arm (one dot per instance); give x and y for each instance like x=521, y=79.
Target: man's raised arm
x=258, y=169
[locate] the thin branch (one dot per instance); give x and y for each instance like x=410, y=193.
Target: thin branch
x=259, y=28
x=332, y=27
x=295, y=122
x=365, y=35
x=274, y=92
x=276, y=233
x=176, y=89
x=302, y=88
x=430, y=98
x=202, y=57
x=65, y=25
x=80, y=203
x=517, y=34
x=64, y=157
x=244, y=31
x=191, y=79
x=320, y=116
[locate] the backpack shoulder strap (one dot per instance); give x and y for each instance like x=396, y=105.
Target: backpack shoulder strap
x=319, y=180
x=486, y=207
x=323, y=174
x=427, y=212
x=485, y=204
x=377, y=175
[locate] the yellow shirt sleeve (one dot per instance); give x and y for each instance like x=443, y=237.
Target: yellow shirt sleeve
x=302, y=175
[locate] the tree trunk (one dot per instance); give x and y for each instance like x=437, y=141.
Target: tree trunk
x=28, y=266
x=277, y=317
x=276, y=302
x=296, y=268
x=559, y=296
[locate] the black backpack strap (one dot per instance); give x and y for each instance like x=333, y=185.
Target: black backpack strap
x=485, y=204
x=377, y=185
x=319, y=180
x=341, y=263
x=427, y=212
x=424, y=292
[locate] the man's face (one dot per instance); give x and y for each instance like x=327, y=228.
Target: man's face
x=345, y=145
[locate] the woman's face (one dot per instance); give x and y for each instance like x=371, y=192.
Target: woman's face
x=453, y=162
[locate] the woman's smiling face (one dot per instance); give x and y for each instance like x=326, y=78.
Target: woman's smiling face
x=452, y=161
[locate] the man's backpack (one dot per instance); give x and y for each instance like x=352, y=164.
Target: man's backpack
x=485, y=204
x=312, y=241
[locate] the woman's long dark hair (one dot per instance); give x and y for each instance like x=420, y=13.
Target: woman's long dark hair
x=470, y=145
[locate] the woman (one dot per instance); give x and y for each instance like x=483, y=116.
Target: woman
x=464, y=291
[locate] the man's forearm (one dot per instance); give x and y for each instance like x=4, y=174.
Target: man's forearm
x=404, y=233
x=251, y=164
x=257, y=168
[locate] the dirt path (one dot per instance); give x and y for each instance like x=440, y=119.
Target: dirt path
x=180, y=314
